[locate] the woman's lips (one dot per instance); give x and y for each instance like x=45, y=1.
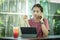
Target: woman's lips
x=38, y=16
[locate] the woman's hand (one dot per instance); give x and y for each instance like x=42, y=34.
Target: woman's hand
x=25, y=18
x=41, y=17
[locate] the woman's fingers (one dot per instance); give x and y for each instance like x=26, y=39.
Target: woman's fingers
x=25, y=17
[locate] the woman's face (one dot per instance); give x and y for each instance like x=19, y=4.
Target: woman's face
x=36, y=12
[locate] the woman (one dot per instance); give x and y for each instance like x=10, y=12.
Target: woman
x=38, y=21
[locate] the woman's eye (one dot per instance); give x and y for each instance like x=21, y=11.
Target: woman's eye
x=33, y=11
x=37, y=11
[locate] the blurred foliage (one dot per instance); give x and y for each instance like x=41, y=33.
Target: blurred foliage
x=57, y=23
x=57, y=28
x=2, y=29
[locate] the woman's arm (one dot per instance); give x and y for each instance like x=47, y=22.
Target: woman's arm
x=44, y=25
x=28, y=23
x=45, y=29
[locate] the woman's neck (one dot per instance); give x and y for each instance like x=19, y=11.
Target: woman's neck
x=36, y=19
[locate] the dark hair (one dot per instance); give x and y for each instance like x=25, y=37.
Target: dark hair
x=39, y=6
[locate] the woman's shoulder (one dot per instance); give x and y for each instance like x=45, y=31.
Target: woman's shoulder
x=31, y=19
x=45, y=19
